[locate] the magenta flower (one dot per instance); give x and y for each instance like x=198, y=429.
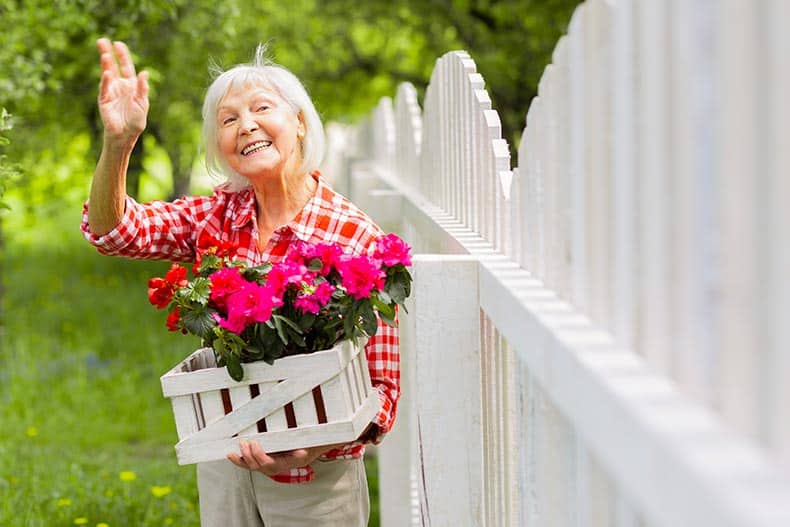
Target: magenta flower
x=359, y=275
x=329, y=254
x=313, y=298
x=251, y=303
x=391, y=250
x=224, y=283
x=288, y=273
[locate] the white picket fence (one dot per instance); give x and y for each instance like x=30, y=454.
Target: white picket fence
x=599, y=336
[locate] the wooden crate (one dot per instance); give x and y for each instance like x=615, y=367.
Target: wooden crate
x=299, y=401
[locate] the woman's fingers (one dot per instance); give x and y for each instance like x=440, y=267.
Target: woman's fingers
x=142, y=84
x=106, y=56
x=125, y=59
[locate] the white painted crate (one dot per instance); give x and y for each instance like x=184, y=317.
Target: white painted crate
x=298, y=402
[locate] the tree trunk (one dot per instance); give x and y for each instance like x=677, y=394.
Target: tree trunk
x=181, y=174
x=135, y=169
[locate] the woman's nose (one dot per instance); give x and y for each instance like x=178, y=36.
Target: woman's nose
x=248, y=124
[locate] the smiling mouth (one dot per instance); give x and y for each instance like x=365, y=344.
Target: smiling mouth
x=255, y=147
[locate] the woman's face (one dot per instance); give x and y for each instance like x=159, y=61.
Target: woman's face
x=258, y=132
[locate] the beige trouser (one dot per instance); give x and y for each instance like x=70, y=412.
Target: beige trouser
x=235, y=497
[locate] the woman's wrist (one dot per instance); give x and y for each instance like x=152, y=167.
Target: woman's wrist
x=121, y=145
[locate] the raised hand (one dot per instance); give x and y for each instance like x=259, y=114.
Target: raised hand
x=123, y=94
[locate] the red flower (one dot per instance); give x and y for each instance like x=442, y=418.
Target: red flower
x=359, y=275
x=176, y=276
x=392, y=250
x=224, y=283
x=211, y=245
x=159, y=292
x=173, y=318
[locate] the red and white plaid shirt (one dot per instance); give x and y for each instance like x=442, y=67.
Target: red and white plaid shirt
x=169, y=231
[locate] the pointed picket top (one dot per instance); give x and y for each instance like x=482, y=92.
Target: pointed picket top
x=463, y=155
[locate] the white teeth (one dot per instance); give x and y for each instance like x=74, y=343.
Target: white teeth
x=254, y=147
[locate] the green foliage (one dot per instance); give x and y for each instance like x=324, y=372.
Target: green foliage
x=7, y=172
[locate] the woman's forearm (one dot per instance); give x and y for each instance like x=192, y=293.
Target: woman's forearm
x=108, y=189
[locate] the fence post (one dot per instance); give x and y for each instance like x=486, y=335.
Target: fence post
x=445, y=318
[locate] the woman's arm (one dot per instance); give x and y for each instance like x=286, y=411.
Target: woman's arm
x=123, y=106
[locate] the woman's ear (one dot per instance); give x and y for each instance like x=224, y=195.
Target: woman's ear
x=301, y=129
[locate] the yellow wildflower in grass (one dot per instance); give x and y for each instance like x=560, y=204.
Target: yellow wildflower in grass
x=63, y=502
x=168, y=521
x=31, y=431
x=102, y=524
x=160, y=492
x=127, y=475
x=80, y=521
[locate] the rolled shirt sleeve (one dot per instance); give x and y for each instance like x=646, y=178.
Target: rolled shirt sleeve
x=158, y=230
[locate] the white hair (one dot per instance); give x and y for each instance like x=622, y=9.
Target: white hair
x=266, y=73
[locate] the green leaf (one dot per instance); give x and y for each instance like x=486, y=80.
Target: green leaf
x=306, y=320
x=209, y=263
x=315, y=265
x=199, y=322
x=390, y=321
x=199, y=290
x=397, y=291
x=369, y=323
x=290, y=323
x=280, y=329
x=254, y=274
x=385, y=298
x=385, y=310
x=235, y=370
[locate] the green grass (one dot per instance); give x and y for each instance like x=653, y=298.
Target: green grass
x=80, y=359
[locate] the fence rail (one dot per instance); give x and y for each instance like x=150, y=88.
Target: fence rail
x=599, y=335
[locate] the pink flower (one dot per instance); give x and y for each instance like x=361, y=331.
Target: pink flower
x=288, y=273
x=359, y=275
x=313, y=298
x=251, y=303
x=224, y=283
x=392, y=250
x=329, y=254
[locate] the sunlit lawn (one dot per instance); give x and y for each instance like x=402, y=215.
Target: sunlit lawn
x=85, y=435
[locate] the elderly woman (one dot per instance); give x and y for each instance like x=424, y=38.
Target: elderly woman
x=264, y=136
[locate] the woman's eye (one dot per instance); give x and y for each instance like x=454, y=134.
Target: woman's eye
x=263, y=107
x=228, y=120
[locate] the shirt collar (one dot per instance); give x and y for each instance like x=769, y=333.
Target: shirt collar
x=246, y=211
x=304, y=223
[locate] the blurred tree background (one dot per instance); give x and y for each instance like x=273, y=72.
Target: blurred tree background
x=85, y=437
x=348, y=54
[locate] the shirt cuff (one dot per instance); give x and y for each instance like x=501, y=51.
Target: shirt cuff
x=120, y=236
